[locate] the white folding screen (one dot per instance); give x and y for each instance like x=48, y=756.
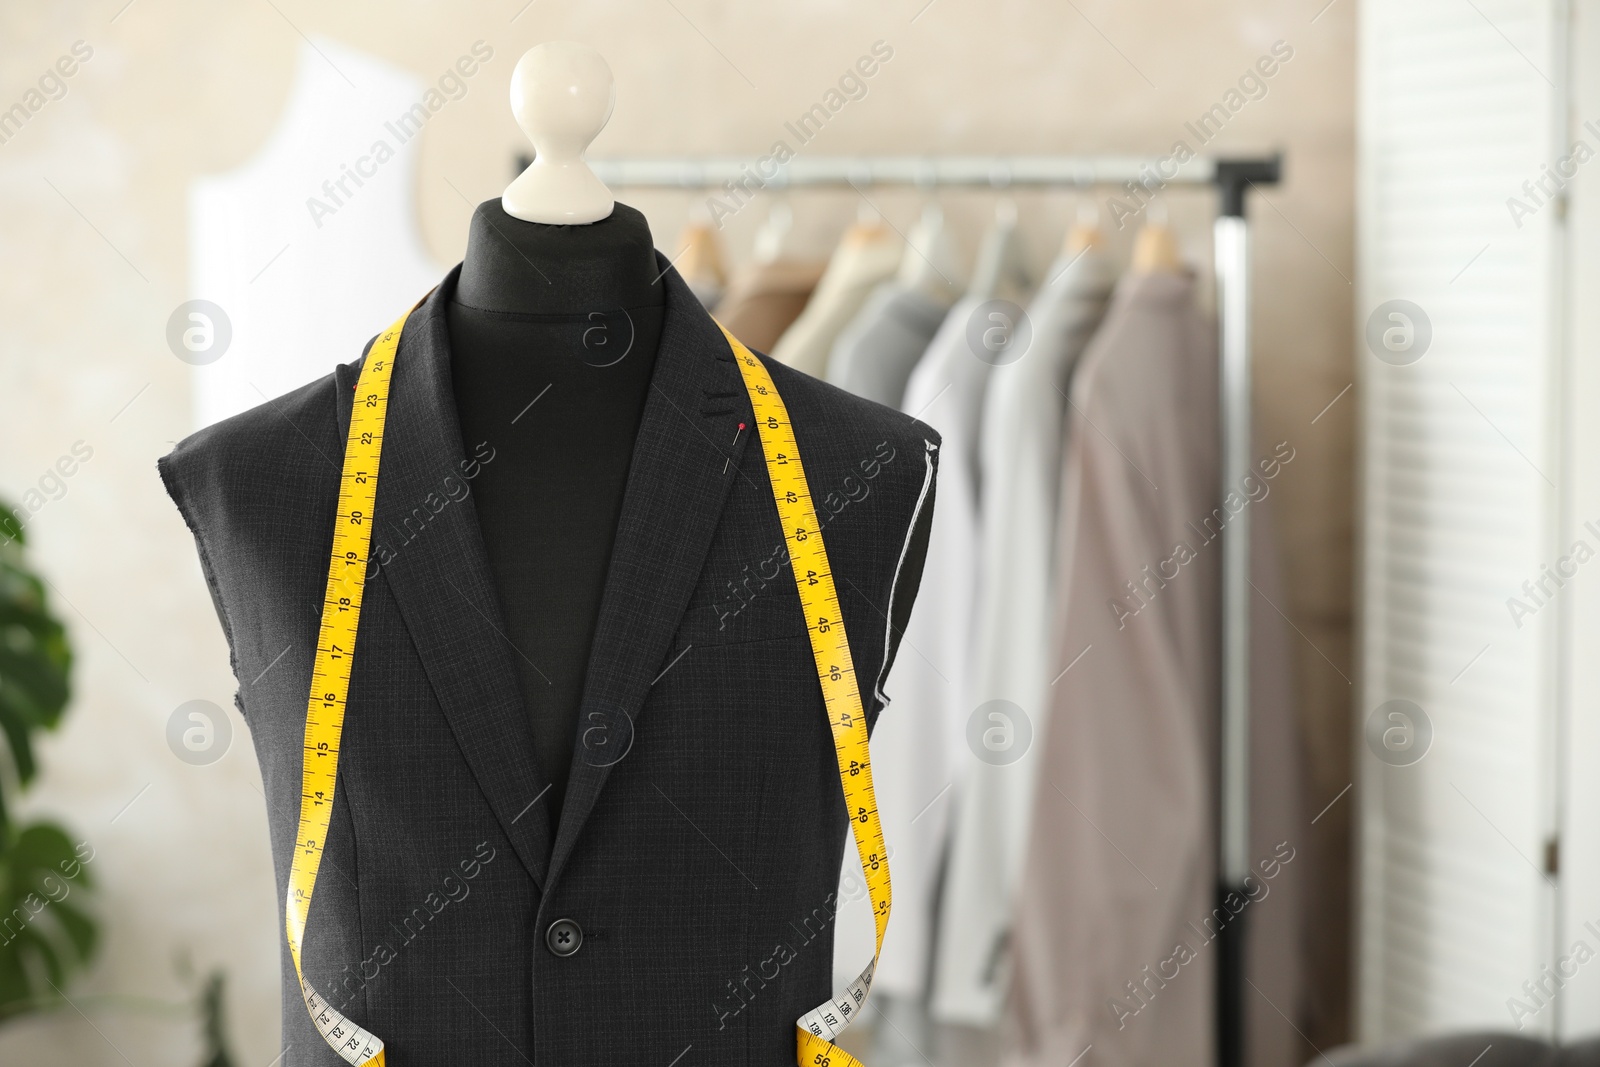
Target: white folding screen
x=1578, y=1008
x=1459, y=107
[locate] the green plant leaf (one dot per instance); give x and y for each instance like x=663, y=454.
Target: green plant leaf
x=35, y=660
x=46, y=932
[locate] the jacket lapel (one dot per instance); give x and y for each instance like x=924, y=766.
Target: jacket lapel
x=439, y=573
x=685, y=460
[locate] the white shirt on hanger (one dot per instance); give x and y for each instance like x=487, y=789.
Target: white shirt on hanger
x=1020, y=456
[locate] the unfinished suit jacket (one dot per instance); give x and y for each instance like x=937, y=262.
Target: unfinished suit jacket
x=700, y=840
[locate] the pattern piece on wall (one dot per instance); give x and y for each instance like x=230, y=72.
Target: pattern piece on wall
x=312, y=247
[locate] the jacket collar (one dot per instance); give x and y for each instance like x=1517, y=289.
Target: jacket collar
x=685, y=458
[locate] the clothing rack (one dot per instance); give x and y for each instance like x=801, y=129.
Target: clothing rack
x=1232, y=178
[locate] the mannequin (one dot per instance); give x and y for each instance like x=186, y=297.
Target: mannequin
x=610, y=450
x=554, y=326
x=553, y=337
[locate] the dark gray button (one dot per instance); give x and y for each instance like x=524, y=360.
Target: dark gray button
x=564, y=937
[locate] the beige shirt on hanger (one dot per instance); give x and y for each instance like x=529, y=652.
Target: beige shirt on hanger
x=866, y=256
x=1118, y=887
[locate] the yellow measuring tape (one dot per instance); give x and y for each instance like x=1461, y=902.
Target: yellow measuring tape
x=336, y=640
x=841, y=694
x=330, y=678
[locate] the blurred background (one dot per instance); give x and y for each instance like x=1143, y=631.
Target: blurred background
x=154, y=152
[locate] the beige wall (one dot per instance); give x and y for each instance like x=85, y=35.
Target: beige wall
x=92, y=262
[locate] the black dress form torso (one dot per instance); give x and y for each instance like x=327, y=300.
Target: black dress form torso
x=553, y=336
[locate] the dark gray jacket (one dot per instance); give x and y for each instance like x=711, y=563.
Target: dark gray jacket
x=700, y=842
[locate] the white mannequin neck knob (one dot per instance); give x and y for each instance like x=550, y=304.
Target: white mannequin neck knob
x=562, y=94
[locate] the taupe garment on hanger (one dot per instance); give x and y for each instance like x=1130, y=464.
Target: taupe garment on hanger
x=764, y=298
x=1114, y=933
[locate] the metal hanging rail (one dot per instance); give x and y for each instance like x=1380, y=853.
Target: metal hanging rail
x=942, y=171
x=1232, y=178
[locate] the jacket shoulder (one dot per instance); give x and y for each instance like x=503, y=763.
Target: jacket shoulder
x=267, y=445
x=871, y=472
x=834, y=424
x=259, y=476
x=253, y=490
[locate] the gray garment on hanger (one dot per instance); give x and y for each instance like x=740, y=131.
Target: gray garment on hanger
x=876, y=353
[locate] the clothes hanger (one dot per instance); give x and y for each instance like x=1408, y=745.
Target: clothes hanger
x=562, y=94
x=1155, y=249
x=930, y=264
x=1082, y=237
x=1001, y=268
x=700, y=261
x=1084, y=233
x=773, y=238
x=867, y=227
